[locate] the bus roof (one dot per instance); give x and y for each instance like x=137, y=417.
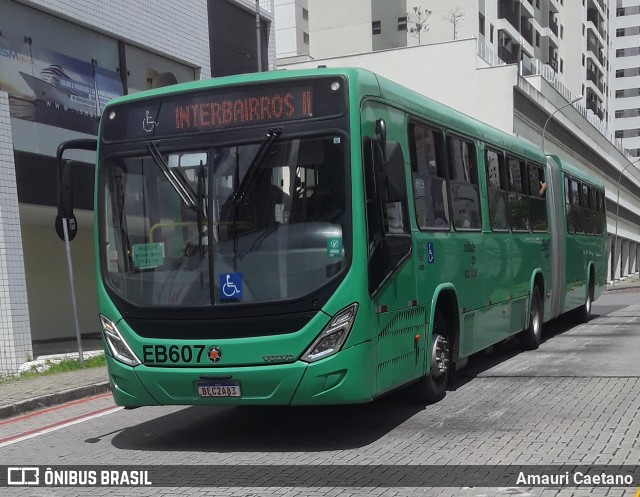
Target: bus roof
x=579, y=173
x=371, y=84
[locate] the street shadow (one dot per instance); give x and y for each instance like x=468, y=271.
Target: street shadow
x=268, y=429
x=493, y=356
x=223, y=429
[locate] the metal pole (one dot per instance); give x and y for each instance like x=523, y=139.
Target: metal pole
x=71, y=286
x=615, y=238
x=258, y=36
x=544, y=128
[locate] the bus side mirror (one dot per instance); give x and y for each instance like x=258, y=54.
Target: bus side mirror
x=66, y=220
x=65, y=190
x=396, y=190
x=65, y=203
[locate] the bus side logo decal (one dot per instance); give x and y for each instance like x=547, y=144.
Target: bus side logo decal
x=431, y=256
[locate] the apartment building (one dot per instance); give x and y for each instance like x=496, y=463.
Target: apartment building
x=568, y=40
x=292, y=28
x=518, y=65
x=627, y=74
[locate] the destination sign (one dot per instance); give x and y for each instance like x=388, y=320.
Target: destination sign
x=237, y=110
x=223, y=108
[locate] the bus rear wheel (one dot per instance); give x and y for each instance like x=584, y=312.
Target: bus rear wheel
x=585, y=310
x=432, y=387
x=533, y=333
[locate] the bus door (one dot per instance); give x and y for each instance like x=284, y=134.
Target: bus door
x=399, y=323
x=496, y=247
x=467, y=245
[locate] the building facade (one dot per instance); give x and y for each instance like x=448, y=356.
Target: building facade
x=233, y=36
x=627, y=74
x=292, y=28
x=568, y=40
x=515, y=64
x=60, y=62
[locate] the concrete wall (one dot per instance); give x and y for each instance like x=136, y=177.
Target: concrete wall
x=339, y=28
x=50, y=309
x=445, y=72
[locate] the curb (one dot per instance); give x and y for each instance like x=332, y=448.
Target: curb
x=24, y=406
x=611, y=288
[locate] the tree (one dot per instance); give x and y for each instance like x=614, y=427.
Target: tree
x=455, y=16
x=417, y=22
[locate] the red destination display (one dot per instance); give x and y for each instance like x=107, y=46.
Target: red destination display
x=247, y=110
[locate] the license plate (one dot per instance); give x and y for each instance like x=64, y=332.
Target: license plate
x=220, y=389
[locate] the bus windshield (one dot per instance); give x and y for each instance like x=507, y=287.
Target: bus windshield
x=225, y=225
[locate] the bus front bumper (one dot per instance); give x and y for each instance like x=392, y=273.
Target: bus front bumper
x=344, y=378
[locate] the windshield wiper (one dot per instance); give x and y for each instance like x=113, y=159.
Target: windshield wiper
x=270, y=138
x=176, y=179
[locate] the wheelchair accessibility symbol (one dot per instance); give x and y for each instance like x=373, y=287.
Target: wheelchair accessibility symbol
x=431, y=257
x=231, y=286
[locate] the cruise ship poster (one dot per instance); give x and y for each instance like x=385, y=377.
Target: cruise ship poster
x=52, y=88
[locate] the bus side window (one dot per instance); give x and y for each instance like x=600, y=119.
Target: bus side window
x=465, y=195
x=576, y=206
x=496, y=189
x=538, y=202
x=588, y=210
x=518, y=197
x=429, y=177
x=601, y=217
x=567, y=203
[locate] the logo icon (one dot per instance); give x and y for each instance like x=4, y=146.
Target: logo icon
x=149, y=123
x=231, y=286
x=214, y=353
x=431, y=256
x=23, y=476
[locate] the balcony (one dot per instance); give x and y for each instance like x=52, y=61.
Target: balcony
x=596, y=80
x=553, y=58
x=526, y=9
x=553, y=25
x=594, y=18
x=594, y=106
x=594, y=103
x=509, y=53
x=596, y=53
x=510, y=10
x=526, y=30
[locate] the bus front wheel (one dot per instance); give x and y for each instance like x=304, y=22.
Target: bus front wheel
x=432, y=387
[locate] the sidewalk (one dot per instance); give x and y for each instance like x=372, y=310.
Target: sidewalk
x=28, y=394
x=631, y=281
x=20, y=396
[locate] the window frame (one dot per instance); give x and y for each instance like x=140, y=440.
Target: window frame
x=442, y=170
x=473, y=154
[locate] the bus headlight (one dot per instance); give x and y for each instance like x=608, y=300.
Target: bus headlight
x=333, y=336
x=119, y=349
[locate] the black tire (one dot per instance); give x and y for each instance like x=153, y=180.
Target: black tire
x=533, y=333
x=584, y=313
x=432, y=387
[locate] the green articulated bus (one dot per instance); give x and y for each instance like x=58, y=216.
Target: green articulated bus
x=324, y=236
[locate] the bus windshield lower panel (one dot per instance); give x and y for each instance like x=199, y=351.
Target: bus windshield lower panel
x=225, y=225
